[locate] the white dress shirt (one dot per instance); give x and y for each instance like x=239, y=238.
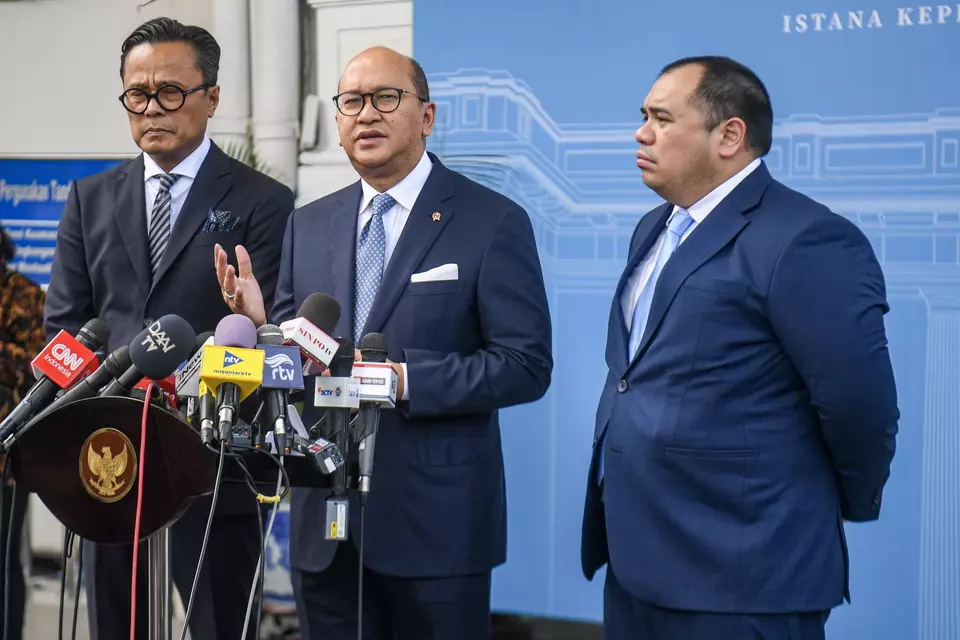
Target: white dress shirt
x=405, y=194
x=187, y=170
x=698, y=212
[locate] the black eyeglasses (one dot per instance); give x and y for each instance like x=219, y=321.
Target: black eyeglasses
x=169, y=97
x=384, y=100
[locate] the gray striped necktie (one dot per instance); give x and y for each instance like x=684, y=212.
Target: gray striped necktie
x=159, y=232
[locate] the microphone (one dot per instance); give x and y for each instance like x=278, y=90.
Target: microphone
x=324, y=455
x=156, y=352
x=378, y=387
x=338, y=392
x=57, y=367
x=310, y=331
x=112, y=368
x=231, y=370
x=187, y=381
x=282, y=371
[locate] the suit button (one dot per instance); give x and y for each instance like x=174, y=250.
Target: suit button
x=622, y=386
x=147, y=322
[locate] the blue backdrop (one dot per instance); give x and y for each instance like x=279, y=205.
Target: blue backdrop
x=541, y=100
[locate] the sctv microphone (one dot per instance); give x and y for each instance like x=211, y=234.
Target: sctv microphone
x=310, y=331
x=58, y=366
x=156, y=353
x=232, y=369
x=377, y=389
x=282, y=372
x=338, y=394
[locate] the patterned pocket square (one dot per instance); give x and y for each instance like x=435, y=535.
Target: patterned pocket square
x=219, y=221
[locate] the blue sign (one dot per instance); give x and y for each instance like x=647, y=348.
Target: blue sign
x=282, y=368
x=33, y=192
x=867, y=122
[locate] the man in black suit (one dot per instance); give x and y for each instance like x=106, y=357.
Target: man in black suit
x=134, y=244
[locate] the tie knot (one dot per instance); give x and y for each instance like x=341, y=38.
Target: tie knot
x=382, y=203
x=679, y=222
x=167, y=180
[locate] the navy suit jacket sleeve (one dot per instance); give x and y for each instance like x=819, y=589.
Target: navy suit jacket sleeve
x=514, y=364
x=69, y=303
x=263, y=237
x=284, y=308
x=827, y=302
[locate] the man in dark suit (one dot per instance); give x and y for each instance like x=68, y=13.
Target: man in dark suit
x=750, y=406
x=134, y=244
x=448, y=271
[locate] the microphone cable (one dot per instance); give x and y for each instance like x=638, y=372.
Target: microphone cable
x=68, y=538
x=136, y=526
x=206, y=538
x=8, y=527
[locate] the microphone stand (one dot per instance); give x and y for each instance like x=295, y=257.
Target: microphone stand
x=158, y=551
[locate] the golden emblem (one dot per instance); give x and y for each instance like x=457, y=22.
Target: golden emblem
x=108, y=465
x=436, y=216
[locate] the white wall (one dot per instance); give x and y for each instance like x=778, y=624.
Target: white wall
x=60, y=64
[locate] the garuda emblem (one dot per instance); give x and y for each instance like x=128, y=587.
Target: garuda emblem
x=108, y=465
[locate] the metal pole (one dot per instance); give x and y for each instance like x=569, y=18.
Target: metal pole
x=159, y=553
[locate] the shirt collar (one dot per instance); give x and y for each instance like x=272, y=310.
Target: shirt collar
x=709, y=202
x=188, y=168
x=404, y=192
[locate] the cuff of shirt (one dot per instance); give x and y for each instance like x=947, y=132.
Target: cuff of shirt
x=406, y=389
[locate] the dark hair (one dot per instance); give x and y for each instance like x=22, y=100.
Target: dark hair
x=420, y=81
x=729, y=89
x=7, y=248
x=169, y=30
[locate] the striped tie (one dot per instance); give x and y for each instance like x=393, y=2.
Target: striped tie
x=159, y=232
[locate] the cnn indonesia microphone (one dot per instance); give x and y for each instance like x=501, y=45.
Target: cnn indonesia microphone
x=232, y=369
x=377, y=389
x=58, y=366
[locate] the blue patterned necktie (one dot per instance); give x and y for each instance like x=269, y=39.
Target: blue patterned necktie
x=159, y=232
x=370, y=252
x=679, y=222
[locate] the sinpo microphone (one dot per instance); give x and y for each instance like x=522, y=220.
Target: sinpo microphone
x=310, y=330
x=57, y=366
x=231, y=371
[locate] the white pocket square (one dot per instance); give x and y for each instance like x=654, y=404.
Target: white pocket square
x=437, y=274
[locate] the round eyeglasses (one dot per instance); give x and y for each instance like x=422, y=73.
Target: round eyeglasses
x=385, y=100
x=169, y=97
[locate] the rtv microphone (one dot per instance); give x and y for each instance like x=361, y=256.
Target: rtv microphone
x=310, y=330
x=232, y=369
x=156, y=352
x=380, y=380
x=338, y=425
x=57, y=367
x=282, y=372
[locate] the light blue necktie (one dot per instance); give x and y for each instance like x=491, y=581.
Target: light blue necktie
x=370, y=252
x=678, y=224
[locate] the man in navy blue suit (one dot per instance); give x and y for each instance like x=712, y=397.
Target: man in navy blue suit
x=448, y=271
x=750, y=406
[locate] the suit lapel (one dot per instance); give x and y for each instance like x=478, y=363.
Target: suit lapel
x=418, y=235
x=342, y=249
x=208, y=189
x=131, y=217
x=617, y=331
x=721, y=226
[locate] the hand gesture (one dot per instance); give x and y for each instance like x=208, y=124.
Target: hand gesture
x=241, y=292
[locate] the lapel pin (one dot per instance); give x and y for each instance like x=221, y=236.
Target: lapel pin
x=436, y=216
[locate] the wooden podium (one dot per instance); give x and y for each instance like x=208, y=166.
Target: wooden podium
x=83, y=461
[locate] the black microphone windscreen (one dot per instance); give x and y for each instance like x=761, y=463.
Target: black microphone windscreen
x=119, y=361
x=374, y=342
x=322, y=310
x=201, y=341
x=161, y=347
x=96, y=331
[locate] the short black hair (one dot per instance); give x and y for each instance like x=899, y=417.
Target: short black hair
x=169, y=30
x=7, y=247
x=729, y=89
x=420, y=81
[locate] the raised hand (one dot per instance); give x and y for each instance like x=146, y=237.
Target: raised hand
x=240, y=291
